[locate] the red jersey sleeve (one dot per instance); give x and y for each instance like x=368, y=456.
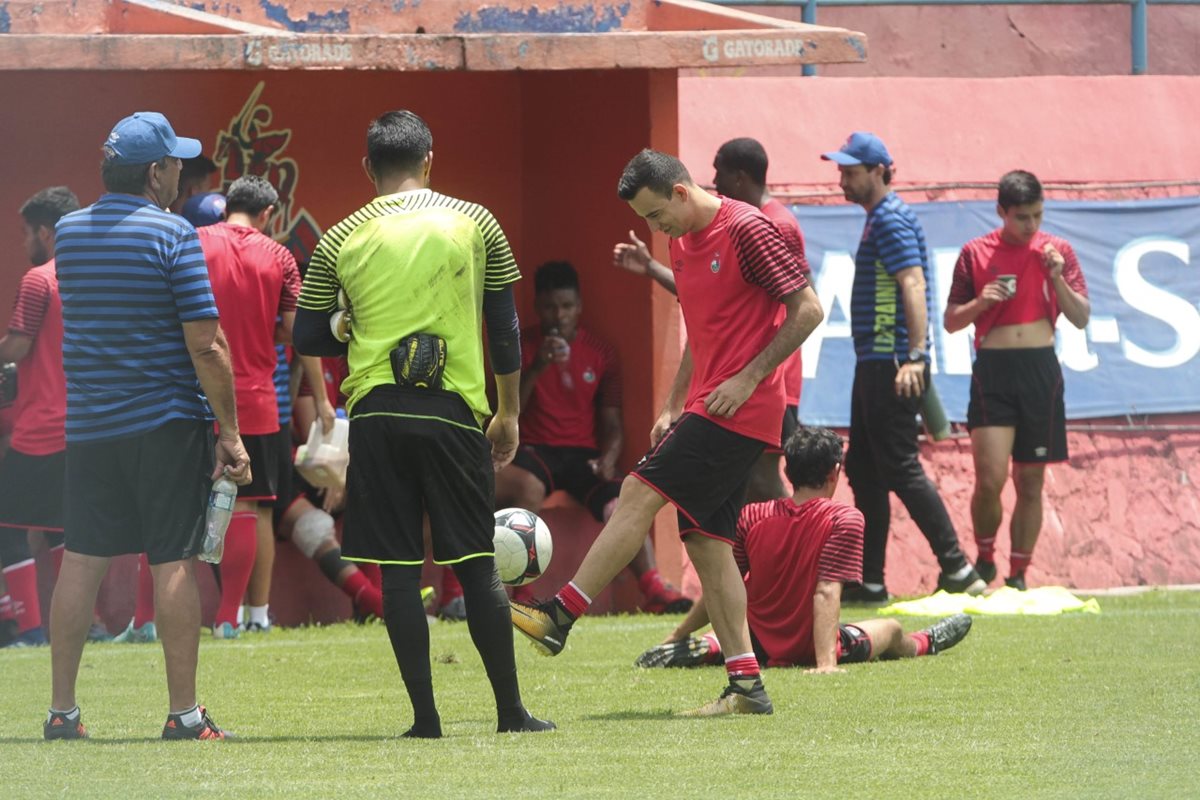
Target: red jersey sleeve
x=765, y=258
x=962, y=286
x=841, y=557
x=1072, y=272
x=794, y=240
x=608, y=393
x=290, y=293
x=33, y=297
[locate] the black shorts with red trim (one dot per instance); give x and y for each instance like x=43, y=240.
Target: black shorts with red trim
x=701, y=469
x=417, y=452
x=145, y=493
x=263, y=449
x=567, y=468
x=791, y=423
x=31, y=491
x=854, y=645
x=1022, y=389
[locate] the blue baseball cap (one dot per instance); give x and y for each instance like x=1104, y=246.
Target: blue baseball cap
x=204, y=209
x=144, y=138
x=860, y=148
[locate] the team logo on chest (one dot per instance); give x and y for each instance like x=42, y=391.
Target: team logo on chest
x=715, y=266
x=589, y=375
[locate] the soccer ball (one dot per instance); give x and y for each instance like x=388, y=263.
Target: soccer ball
x=523, y=546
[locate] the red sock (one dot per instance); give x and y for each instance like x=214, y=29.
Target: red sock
x=374, y=574
x=922, y=640
x=240, y=546
x=743, y=667
x=574, y=601
x=56, y=557
x=986, y=547
x=451, y=588
x=367, y=599
x=143, y=609
x=650, y=583
x=22, y=588
x=714, y=647
x=1019, y=562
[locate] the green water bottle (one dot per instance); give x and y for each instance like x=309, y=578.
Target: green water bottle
x=933, y=415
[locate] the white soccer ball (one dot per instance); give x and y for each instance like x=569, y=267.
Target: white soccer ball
x=523, y=546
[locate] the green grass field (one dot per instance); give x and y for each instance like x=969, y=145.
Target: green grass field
x=1083, y=706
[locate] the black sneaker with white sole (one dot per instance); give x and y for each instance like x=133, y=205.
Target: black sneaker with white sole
x=947, y=632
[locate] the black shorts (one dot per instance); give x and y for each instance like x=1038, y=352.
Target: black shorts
x=285, y=493
x=791, y=423
x=263, y=450
x=1021, y=389
x=31, y=490
x=701, y=469
x=140, y=494
x=854, y=646
x=416, y=452
x=567, y=468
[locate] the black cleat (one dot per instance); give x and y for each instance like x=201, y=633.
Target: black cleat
x=1016, y=582
x=529, y=724
x=986, y=570
x=59, y=726
x=971, y=584
x=735, y=700
x=947, y=632
x=207, y=729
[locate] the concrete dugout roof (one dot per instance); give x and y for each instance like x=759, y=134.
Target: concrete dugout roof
x=406, y=35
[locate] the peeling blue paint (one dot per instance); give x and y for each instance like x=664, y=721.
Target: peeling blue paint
x=5, y=18
x=857, y=44
x=564, y=18
x=329, y=22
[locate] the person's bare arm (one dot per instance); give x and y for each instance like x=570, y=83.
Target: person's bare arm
x=315, y=376
x=611, y=438
x=502, y=430
x=210, y=357
x=1074, y=306
x=635, y=257
x=910, y=377
x=960, y=315
x=283, y=328
x=15, y=346
x=697, y=618
x=827, y=607
x=675, y=398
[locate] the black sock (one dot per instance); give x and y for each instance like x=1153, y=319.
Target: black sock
x=490, y=624
x=404, y=615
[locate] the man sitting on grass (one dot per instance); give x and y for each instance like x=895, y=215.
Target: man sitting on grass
x=794, y=555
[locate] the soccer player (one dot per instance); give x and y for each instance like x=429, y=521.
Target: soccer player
x=889, y=320
x=794, y=555
x=1012, y=284
x=429, y=269
x=732, y=272
x=256, y=276
x=144, y=381
x=740, y=173
x=571, y=428
x=31, y=473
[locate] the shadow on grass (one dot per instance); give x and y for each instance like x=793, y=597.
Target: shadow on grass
x=633, y=716
x=236, y=740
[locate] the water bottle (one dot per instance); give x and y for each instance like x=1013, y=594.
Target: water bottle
x=216, y=519
x=564, y=366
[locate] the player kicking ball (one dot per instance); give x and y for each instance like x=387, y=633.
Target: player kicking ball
x=748, y=307
x=794, y=555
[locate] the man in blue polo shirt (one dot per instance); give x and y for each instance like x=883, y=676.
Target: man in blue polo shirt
x=147, y=369
x=889, y=320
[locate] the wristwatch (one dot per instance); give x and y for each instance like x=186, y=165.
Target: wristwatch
x=916, y=356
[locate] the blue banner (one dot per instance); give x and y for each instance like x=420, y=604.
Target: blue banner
x=1138, y=354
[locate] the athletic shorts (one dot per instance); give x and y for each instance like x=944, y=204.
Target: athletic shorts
x=1021, y=389
x=567, y=468
x=145, y=493
x=854, y=646
x=263, y=450
x=416, y=452
x=285, y=493
x=701, y=469
x=791, y=423
x=31, y=490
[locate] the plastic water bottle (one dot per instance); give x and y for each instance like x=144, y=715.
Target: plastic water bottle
x=216, y=519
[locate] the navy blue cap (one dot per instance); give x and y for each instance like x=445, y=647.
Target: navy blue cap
x=146, y=137
x=861, y=148
x=204, y=209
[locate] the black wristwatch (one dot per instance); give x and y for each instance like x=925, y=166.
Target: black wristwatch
x=916, y=356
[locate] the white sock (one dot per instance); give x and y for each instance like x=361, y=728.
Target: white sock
x=258, y=614
x=962, y=573
x=72, y=715
x=241, y=615
x=191, y=718
x=873, y=587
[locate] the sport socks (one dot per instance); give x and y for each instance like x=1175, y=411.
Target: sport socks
x=259, y=615
x=190, y=718
x=921, y=638
x=986, y=547
x=743, y=671
x=1019, y=562
x=573, y=601
x=241, y=545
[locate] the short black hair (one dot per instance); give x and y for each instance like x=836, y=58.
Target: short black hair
x=250, y=194
x=198, y=167
x=747, y=155
x=1019, y=188
x=127, y=178
x=398, y=141
x=810, y=454
x=651, y=170
x=48, y=206
x=555, y=275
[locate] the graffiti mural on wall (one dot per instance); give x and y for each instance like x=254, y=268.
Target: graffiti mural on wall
x=249, y=146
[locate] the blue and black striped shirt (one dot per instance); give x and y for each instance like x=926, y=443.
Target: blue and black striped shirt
x=129, y=275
